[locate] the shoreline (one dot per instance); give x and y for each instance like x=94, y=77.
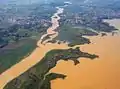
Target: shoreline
x=34, y=58
x=37, y=54
x=102, y=73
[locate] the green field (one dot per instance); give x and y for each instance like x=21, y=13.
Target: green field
x=9, y=57
x=74, y=35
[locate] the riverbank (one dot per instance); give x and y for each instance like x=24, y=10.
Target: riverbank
x=39, y=76
x=114, y=22
x=14, y=52
x=48, y=61
x=34, y=58
x=102, y=73
x=37, y=57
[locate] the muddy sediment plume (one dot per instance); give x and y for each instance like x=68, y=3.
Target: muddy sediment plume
x=39, y=77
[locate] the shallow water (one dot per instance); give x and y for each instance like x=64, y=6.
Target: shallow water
x=101, y=73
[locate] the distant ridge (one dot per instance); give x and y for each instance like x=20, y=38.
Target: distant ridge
x=20, y=2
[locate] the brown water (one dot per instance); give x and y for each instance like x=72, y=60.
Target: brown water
x=36, y=55
x=114, y=22
x=55, y=24
x=102, y=73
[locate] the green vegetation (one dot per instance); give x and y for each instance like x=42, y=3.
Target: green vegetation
x=38, y=77
x=13, y=53
x=3, y=43
x=22, y=21
x=74, y=35
x=52, y=76
x=18, y=23
x=20, y=28
x=90, y=15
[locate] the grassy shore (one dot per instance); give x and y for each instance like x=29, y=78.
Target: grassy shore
x=38, y=77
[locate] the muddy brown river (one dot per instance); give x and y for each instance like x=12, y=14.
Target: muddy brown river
x=102, y=73
x=37, y=54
